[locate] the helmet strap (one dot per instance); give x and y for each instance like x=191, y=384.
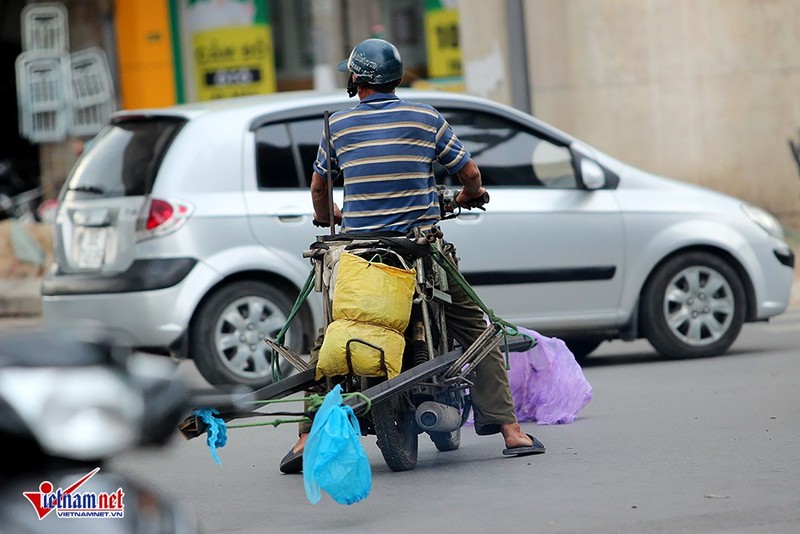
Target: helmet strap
x=352, y=88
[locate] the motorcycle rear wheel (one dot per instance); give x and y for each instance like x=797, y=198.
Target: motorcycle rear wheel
x=397, y=432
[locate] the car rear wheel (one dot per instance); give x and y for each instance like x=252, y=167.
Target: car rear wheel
x=693, y=306
x=227, y=337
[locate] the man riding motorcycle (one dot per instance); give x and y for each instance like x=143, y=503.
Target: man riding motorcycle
x=385, y=148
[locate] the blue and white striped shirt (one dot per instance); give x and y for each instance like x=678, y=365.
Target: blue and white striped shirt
x=385, y=147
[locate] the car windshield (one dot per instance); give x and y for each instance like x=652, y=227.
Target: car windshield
x=124, y=158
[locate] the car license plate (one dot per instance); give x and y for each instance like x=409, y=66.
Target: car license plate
x=92, y=248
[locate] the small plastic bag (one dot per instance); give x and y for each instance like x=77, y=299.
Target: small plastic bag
x=333, y=458
x=216, y=431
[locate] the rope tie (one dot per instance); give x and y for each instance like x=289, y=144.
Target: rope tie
x=313, y=401
x=277, y=374
x=508, y=329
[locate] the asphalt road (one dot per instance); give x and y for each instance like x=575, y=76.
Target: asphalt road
x=708, y=445
x=699, y=446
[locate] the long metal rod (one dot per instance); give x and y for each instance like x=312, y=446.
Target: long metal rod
x=426, y=315
x=236, y=407
x=329, y=148
x=289, y=355
x=479, y=348
x=282, y=388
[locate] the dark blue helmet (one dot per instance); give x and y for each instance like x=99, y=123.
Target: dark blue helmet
x=373, y=62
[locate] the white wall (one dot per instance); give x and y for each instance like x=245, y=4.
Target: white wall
x=706, y=91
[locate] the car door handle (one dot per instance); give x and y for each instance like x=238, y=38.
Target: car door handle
x=291, y=217
x=469, y=217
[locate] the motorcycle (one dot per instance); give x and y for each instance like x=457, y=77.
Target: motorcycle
x=430, y=393
x=70, y=401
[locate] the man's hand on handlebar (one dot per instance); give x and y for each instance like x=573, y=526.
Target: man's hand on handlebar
x=464, y=200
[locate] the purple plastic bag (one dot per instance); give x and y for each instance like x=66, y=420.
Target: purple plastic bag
x=547, y=384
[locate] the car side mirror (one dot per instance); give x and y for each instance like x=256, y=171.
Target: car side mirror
x=592, y=174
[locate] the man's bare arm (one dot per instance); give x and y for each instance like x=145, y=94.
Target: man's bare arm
x=319, y=199
x=470, y=178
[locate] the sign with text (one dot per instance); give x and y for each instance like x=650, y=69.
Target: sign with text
x=232, y=48
x=441, y=35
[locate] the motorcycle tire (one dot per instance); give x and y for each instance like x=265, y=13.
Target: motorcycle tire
x=396, y=431
x=446, y=441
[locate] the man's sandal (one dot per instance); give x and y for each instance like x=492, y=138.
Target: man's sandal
x=523, y=450
x=292, y=463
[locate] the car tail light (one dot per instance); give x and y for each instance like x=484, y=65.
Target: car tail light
x=162, y=216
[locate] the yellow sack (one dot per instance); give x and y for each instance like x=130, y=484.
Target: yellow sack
x=366, y=360
x=373, y=292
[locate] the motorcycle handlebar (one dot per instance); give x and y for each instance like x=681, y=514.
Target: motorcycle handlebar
x=448, y=204
x=477, y=202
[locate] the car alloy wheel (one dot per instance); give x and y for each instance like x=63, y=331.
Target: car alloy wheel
x=693, y=306
x=240, y=331
x=228, y=332
x=698, y=305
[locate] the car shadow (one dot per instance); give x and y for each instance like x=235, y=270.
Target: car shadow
x=651, y=356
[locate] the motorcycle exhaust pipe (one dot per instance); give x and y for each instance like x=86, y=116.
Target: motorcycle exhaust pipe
x=437, y=417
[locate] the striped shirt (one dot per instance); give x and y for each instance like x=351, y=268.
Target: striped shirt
x=385, y=147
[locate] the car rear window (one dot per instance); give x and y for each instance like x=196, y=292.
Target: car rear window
x=124, y=158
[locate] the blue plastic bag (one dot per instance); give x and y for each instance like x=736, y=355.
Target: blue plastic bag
x=216, y=431
x=333, y=458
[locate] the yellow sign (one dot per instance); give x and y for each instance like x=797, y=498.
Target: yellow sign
x=146, y=71
x=234, y=61
x=444, y=54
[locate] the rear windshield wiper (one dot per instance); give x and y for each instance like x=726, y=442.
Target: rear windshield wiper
x=87, y=189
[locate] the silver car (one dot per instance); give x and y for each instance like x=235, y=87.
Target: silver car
x=183, y=228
